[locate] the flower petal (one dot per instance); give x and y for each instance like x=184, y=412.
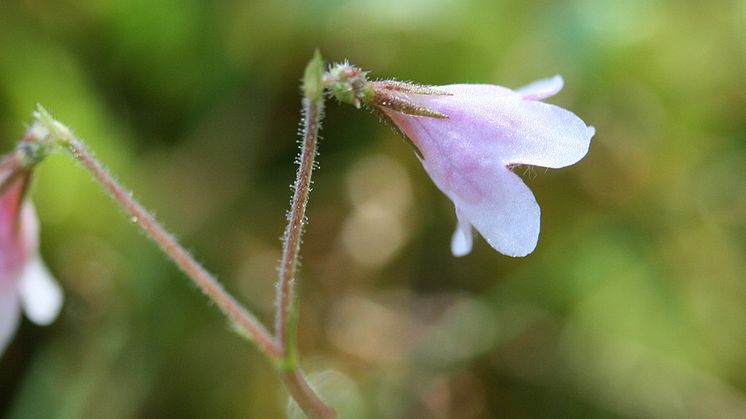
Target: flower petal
x=9, y=316
x=492, y=199
x=548, y=136
x=462, y=239
x=498, y=124
x=488, y=129
x=41, y=296
x=542, y=89
x=508, y=217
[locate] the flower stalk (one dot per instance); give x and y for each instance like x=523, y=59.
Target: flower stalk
x=313, y=108
x=286, y=302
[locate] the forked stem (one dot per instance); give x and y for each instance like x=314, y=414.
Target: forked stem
x=281, y=348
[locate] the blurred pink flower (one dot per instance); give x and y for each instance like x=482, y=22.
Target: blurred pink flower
x=24, y=280
x=482, y=132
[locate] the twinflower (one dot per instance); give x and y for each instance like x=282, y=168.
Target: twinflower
x=470, y=136
x=25, y=283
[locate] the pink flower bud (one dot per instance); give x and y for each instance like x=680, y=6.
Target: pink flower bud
x=469, y=153
x=24, y=280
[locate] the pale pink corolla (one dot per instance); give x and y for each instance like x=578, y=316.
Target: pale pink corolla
x=469, y=153
x=25, y=283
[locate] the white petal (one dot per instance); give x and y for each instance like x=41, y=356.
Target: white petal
x=41, y=296
x=504, y=211
x=9, y=316
x=497, y=124
x=462, y=239
x=509, y=219
x=542, y=89
x=548, y=136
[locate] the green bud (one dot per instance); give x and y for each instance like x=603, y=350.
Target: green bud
x=313, y=85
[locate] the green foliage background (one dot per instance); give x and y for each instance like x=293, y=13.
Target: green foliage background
x=633, y=304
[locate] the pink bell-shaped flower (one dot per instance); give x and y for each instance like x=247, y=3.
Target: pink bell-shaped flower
x=25, y=283
x=471, y=135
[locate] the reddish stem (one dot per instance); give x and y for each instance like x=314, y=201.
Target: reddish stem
x=304, y=395
x=201, y=277
x=312, y=111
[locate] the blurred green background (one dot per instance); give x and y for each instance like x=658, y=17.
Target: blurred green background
x=633, y=304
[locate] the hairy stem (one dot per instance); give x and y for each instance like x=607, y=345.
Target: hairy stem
x=198, y=274
x=312, y=111
x=286, y=304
